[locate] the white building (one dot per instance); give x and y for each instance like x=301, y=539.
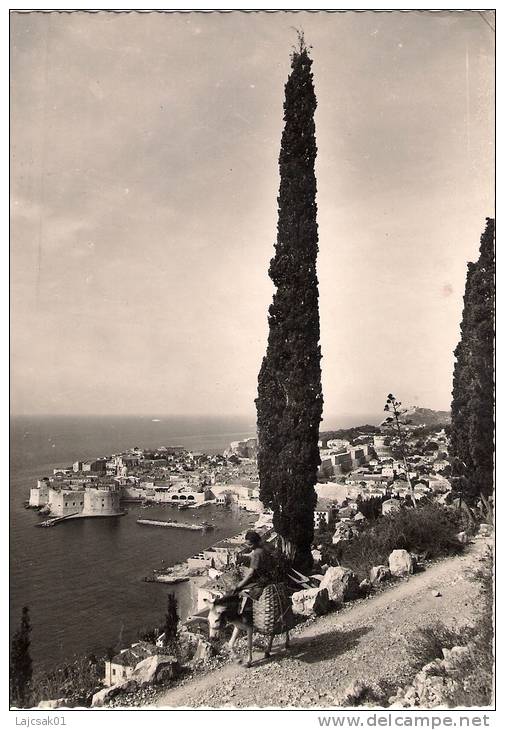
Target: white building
x=382, y=447
x=121, y=666
x=174, y=495
x=102, y=501
x=322, y=512
x=39, y=495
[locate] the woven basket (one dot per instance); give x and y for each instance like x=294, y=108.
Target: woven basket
x=272, y=612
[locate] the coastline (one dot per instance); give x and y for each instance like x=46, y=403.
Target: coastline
x=62, y=573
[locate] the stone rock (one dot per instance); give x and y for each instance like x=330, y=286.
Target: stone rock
x=343, y=532
x=390, y=505
x=102, y=698
x=401, y=563
x=462, y=538
x=379, y=574
x=341, y=584
x=204, y=651
x=431, y=687
x=149, y=670
x=358, y=517
x=485, y=529
x=317, y=556
x=187, y=644
x=353, y=692
x=453, y=656
x=436, y=593
x=365, y=586
x=310, y=601
x=436, y=691
x=346, y=512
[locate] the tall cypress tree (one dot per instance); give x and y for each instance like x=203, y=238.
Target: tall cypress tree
x=171, y=623
x=289, y=403
x=21, y=662
x=472, y=409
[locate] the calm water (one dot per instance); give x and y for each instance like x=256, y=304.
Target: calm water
x=83, y=579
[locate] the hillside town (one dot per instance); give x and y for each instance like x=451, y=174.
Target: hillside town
x=368, y=465
x=354, y=471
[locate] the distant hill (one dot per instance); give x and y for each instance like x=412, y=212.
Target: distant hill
x=350, y=434
x=425, y=416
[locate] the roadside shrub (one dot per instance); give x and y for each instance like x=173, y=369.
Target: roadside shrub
x=473, y=672
x=427, y=643
x=430, y=531
x=371, y=508
x=76, y=681
x=361, y=694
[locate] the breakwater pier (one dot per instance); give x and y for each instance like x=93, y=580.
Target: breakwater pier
x=205, y=526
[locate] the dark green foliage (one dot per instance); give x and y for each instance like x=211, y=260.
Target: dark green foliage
x=434, y=428
x=429, y=530
x=472, y=408
x=289, y=403
x=149, y=635
x=21, y=662
x=109, y=653
x=371, y=508
x=350, y=434
x=77, y=681
x=171, y=623
x=322, y=526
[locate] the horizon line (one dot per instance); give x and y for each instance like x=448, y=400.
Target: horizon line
x=152, y=416
x=71, y=414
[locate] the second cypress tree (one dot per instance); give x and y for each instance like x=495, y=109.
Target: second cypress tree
x=472, y=408
x=289, y=403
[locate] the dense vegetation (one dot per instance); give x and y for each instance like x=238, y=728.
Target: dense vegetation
x=171, y=624
x=350, y=434
x=21, y=669
x=429, y=531
x=76, y=681
x=289, y=403
x=472, y=409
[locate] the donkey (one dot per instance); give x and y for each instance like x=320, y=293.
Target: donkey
x=224, y=611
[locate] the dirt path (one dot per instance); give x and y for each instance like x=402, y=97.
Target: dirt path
x=365, y=641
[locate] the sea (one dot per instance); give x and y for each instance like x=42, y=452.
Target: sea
x=83, y=579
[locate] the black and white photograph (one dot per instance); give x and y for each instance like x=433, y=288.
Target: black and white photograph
x=252, y=363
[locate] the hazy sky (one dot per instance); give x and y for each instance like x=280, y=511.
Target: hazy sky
x=144, y=181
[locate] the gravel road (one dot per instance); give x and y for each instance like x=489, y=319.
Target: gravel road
x=366, y=641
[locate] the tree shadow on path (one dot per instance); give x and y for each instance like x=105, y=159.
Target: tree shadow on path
x=326, y=646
